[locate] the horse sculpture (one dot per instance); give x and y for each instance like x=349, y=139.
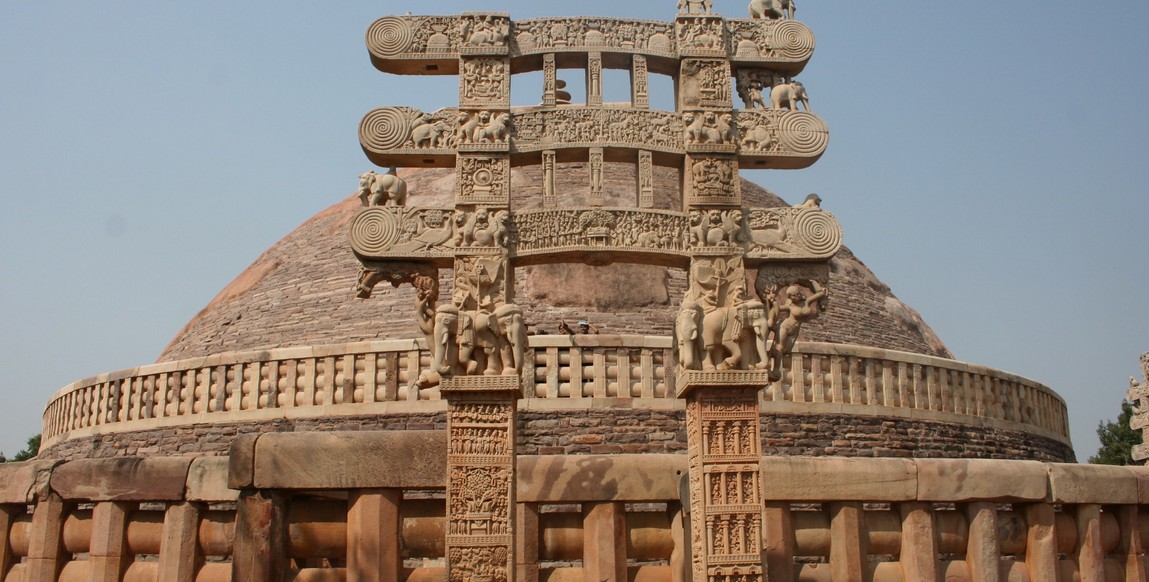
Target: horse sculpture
x=378, y=189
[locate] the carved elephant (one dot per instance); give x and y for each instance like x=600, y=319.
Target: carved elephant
x=512, y=338
x=772, y=9
x=687, y=336
x=378, y=189
x=788, y=95
x=721, y=334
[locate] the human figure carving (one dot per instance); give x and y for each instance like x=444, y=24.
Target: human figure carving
x=789, y=95
x=799, y=309
x=485, y=33
x=378, y=189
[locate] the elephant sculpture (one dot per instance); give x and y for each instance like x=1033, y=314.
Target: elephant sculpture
x=378, y=189
x=788, y=96
x=687, y=336
x=772, y=9
x=512, y=338
x=721, y=334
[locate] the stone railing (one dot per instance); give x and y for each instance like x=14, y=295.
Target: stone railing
x=379, y=377
x=315, y=507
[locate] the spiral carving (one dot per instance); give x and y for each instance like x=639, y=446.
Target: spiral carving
x=819, y=232
x=384, y=129
x=793, y=40
x=389, y=36
x=374, y=231
x=802, y=133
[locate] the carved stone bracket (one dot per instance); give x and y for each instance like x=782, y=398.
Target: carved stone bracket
x=1138, y=395
x=480, y=476
x=795, y=233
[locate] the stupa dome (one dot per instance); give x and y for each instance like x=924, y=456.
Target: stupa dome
x=300, y=291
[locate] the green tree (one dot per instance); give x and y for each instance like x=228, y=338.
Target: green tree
x=29, y=451
x=1117, y=439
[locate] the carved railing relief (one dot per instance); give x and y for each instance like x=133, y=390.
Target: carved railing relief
x=782, y=44
x=372, y=376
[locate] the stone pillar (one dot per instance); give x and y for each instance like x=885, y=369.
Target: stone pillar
x=549, y=199
x=261, y=544
x=550, y=80
x=8, y=515
x=481, y=476
x=108, y=554
x=1041, y=558
x=45, y=550
x=645, y=174
x=596, y=169
x=594, y=79
x=779, y=542
x=373, y=530
x=848, y=543
x=180, y=553
x=526, y=542
x=1090, y=551
x=983, y=550
x=604, y=541
x=919, y=542
x=1130, y=544
x=725, y=473
x=639, y=83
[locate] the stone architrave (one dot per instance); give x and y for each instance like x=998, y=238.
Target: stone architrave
x=481, y=416
x=722, y=415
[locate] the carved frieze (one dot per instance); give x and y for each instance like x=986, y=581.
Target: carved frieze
x=705, y=83
x=485, y=34
x=701, y=36
x=381, y=232
x=601, y=127
x=399, y=129
x=483, y=180
x=797, y=233
x=538, y=232
x=777, y=42
x=712, y=180
x=485, y=82
x=397, y=37
x=548, y=35
x=483, y=130
x=717, y=227
x=779, y=135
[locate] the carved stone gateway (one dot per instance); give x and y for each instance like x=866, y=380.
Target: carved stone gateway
x=755, y=274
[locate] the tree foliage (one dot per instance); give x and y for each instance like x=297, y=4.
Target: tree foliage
x=29, y=451
x=1117, y=439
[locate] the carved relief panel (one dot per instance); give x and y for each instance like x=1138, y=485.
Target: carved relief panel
x=485, y=82
x=589, y=33
x=480, y=476
x=485, y=34
x=705, y=83
x=797, y=233
x=483, y=180
x=780, y=42
x=483, y=130
x=712, y=180
x=701, y=36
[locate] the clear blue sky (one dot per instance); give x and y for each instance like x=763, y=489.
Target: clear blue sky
x=987, y=161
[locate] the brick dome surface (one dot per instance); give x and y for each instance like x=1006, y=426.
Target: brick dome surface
x=299, y=292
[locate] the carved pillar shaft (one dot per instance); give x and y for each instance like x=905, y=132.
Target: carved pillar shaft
x=725, y=474
x=481, y=477
x=639, y=83
x=645, y=175
x=596, y=169
x=594, y=79
x=550, y=80
x=549, y=200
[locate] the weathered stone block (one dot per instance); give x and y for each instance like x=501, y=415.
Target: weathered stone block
x=18, y=480
x=207, y=480
x=960, y=480
x=351, y=460
x=241, y=462
x=130, y=479
x=1092, y=484
x=819, y=479
x=560, y=478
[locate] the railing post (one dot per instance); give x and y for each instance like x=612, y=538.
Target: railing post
x=373, y=529
x=779, y=542
x=848, y=543
x=604, y=541
x=108, y=553
x=1041, y=544
x=983, y=552
x=180, y=553
x=919, y=542
x=1130, y=543
x=45, y=552
x=1090, y=552
x=261, y=545
x=526, y=542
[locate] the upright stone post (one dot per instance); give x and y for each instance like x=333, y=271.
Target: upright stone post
x=725, y=473
x=481, y=477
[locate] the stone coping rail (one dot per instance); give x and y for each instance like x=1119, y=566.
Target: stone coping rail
x=379, y=378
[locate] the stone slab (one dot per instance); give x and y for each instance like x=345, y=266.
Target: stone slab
x=351, y=460
x=1102, y=484
x=472, y=384
x=241, y=462
x=838, y=479
x=958, y=480
x=207, y=480
x=18, y=480
x=689, y=380
x=576, y=478
x=126, y=479
x=1141, y=473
